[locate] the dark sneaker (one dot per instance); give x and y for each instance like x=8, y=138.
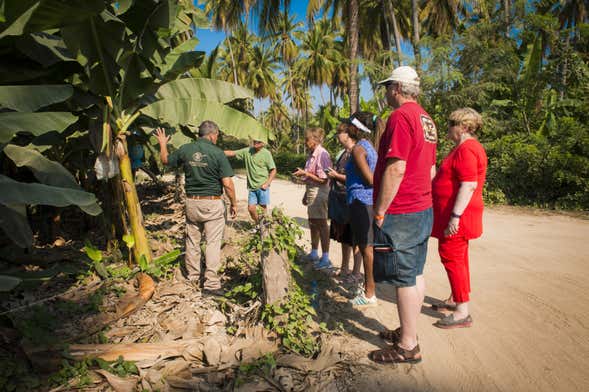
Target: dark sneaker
x=448, y=322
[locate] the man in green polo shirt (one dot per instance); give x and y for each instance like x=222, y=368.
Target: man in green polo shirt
x=260, y=170
x=207, y=172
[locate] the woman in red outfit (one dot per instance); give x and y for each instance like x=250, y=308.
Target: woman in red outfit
x=458, y=210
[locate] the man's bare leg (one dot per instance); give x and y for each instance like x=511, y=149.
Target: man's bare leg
x=408, y=307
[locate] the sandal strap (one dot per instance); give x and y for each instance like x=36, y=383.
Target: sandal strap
x=397, y=354
x=391, y=334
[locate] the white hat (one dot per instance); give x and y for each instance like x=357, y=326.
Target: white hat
x=403, y=74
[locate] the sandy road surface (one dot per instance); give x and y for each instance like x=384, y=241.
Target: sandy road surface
x=530, y=305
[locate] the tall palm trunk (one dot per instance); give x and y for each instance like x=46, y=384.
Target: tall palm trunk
x=353, y=41
x=415, y=22
x=232, y=59
x=506, y=10
x=389, y=9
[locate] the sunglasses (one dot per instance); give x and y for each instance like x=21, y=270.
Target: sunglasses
x=453, y=123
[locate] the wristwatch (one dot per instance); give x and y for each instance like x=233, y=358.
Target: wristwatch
x=455, y=215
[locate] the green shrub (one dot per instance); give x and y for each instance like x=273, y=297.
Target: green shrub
x=534, y=170
x=287, y=162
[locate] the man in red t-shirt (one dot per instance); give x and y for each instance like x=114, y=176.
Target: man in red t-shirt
x=403, y=208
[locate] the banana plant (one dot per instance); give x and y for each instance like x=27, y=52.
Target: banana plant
x=127, y=62
x=56, y=186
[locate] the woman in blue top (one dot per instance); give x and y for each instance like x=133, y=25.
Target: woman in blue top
x=359, y=172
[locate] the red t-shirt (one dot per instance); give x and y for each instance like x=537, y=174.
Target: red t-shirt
x=411, y=136
x=467, y=162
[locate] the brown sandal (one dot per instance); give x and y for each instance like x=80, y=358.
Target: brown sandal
x=396, y=354
x=444, y=306
x=391, y=336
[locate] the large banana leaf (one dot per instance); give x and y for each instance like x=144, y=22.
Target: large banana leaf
x=151, y=20
x=203, y=89
x=46, y=49
x=98, y=45
x=13, y=220
x=194, y=111
x=14, y=192
x=181, y=59
x=32, y=98
x=8, y=283
x=137, y=78
x=45, y=170
x=27, y=16
x=35, y=123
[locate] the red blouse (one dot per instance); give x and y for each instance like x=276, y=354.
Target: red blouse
x=466, y=163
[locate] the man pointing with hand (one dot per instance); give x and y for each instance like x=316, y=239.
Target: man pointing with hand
x=207, y=172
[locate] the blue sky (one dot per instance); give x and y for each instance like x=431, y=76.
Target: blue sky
x=209, y=39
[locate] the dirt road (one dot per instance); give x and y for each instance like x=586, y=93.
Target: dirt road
x=530, y=305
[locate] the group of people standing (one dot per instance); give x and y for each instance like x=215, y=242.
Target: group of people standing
x=384, y=203
x=396, y=200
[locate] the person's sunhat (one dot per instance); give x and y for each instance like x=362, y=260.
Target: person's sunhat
x=403, y=74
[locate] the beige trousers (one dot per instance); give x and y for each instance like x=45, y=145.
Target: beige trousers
x=205, y=221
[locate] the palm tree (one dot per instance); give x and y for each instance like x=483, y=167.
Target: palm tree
x=277, y=119
x=239, y=47
x=352, y=28
x=441, y=17
x=388, y=10
x=295, y=85
x=284, y=38
x=348, y=12
x=226, y=15
x=271, y=15
x=261, y=72
x=320, y=57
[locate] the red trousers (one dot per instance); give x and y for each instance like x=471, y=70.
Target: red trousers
x=454, y=254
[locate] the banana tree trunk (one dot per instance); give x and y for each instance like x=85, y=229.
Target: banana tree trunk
x=134, y=213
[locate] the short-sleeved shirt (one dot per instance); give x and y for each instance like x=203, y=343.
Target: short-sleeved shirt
x=257, y=165
x=466, y=163
x=411, y=136
x=355, y=186
x=204, y=166
x=317, y=162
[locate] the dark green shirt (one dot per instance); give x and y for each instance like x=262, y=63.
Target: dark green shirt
x=204, y=166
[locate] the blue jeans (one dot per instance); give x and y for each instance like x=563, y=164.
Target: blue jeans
x=407, y=235
x=259, y=197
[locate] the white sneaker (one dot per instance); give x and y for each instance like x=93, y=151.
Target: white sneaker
x=361, y=301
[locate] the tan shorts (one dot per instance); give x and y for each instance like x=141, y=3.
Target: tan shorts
x=316, y=201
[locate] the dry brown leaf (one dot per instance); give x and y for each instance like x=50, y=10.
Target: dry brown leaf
x=174, y=367
x=192, y=384
x=119, y=384
x=194, y=352
x=212, y=351
x=216, y=318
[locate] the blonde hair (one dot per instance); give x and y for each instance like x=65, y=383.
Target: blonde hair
x=468, y=117
x=315, y=133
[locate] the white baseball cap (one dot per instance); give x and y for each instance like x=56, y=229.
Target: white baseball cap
x=403, y=74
